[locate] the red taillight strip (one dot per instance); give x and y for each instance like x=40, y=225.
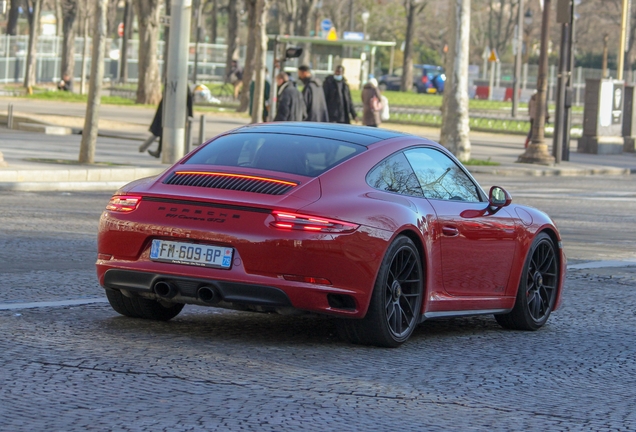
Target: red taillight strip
x=243, y=176
x=295, y=221
x=123, y=203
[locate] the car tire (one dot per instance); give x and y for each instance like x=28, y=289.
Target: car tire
x=537, y=289
x=396, y=303
x=122, y=304
x=157, y=311
x=138, y=307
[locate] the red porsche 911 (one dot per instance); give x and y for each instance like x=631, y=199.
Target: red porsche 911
x=380, y=229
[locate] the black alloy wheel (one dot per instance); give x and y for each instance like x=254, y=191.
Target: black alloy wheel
x=537, y=289
x=138, y=307
x=396, y=302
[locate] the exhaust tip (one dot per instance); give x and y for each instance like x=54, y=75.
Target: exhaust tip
x=208, y=294
x=165, y=289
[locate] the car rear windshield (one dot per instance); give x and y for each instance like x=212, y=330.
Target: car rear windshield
x=294, y=154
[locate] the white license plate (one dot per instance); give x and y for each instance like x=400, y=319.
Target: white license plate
x=191, y=253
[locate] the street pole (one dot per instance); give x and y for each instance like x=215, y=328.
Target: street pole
x=570, y=87
x=518, y=60
x=537, y=151
x=128, y=20
x=621, y=51
x=199, y=12
x=175, y=101
x=563, y=16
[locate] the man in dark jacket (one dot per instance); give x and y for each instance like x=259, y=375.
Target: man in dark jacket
x=313, y=95
x=156, y=127
x=338, y=96
x=291, y=106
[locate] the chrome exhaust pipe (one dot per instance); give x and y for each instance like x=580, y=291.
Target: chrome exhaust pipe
x=165, y=289
x=209, y=294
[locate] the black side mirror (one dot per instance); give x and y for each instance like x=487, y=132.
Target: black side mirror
x=498, y=197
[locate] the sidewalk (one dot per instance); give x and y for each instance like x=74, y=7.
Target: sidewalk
x=37, y=161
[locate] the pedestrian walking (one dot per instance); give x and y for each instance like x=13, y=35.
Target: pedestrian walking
x=371, y=103
x=313, y=96
x=338, y=97
x=291, y=106
x=235, y=77
x=156, y=127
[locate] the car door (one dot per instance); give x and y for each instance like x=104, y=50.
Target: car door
x=477, y=246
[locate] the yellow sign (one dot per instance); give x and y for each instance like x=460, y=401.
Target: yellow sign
x=493, y=56
x=332, y=35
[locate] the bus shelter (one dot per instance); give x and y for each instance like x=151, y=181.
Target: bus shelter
x=362, y=62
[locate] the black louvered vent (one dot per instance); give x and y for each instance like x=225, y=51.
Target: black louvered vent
x=231, y=182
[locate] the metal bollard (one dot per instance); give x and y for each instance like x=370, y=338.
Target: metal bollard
x=201, y=130
x=10, y=117
x=188, y=135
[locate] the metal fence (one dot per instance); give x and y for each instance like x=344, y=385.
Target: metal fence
x=13, y=54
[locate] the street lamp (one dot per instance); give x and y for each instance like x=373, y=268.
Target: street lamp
x=365, y=19
x=537, y=151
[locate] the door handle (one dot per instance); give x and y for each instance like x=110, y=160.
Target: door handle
x=450, y=231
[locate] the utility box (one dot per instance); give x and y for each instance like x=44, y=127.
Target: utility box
x=629, y=119
x=603, y=117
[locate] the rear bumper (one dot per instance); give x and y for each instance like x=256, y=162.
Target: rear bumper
x=240, y=295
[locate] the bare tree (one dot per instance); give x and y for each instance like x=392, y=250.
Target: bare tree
x=213, y=12
x=413, y=9
x=35, y=8
x=13, y=15
x=69, y=14
x=248, y=70
x=455, y=128
x=91, y=121
x=305, y=10
x=261, y=8
x=149, y=84
x=232, y=35
x=289, y=17
x=501, y=23
x=86, y=19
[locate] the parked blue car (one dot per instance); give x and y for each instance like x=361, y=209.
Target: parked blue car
x=426, y=79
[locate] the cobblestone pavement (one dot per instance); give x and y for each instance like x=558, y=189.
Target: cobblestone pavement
x=83, y=367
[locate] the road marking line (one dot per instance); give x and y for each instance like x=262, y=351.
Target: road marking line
x=59, y=303
x=602, y=264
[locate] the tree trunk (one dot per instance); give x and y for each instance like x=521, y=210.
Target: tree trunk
x=248, y=70
x=69, y=14
x=59, y=17
x=86, y=23
x=34, y=31
x=304, y=27
x=14, y=14
x=91, y=121
x=455, y=128
x=128, y=23
x=291, y=10
x=232, y=36
x=214, y=21
x=407, y=65
x=149, y=84
x=260, y=42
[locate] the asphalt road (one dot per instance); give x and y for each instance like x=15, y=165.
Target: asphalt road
x=74, y=364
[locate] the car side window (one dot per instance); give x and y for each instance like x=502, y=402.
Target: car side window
x=394, y=174
x=440, y=177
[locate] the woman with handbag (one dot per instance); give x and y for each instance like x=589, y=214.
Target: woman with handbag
x=371, y=103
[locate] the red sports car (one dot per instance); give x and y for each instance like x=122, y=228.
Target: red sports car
x=380, y=229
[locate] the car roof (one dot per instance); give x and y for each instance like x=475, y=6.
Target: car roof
x=360, y=135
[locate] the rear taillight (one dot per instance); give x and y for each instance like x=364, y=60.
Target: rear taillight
x=424, y=79
x=123, y=203
x=295, y=221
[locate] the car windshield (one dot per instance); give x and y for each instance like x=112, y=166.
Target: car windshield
x=294, y=154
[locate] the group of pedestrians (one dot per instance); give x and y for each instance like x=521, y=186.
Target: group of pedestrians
x=327, y=102
x=317, y=102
